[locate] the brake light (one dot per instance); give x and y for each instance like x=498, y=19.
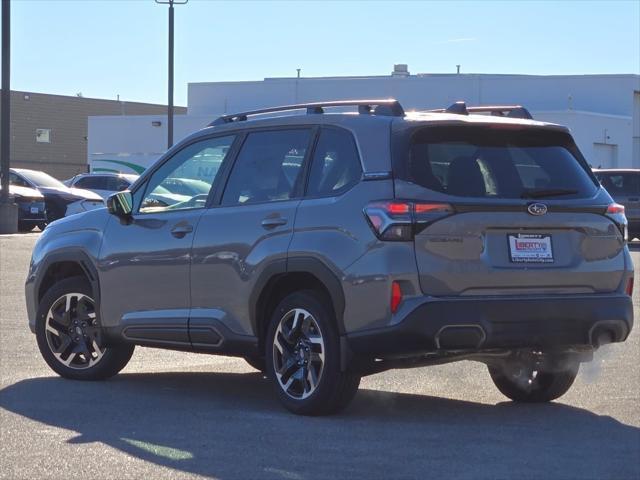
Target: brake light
x=398, y=208
x=396, y=296
x=615, y=208
x=399, y=220
x=629, y=289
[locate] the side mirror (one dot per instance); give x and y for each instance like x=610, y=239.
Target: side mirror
x=120, y=203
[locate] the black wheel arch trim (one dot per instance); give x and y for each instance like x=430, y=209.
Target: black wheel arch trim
x=72, y=255
x=310, y=265
x=329, y=279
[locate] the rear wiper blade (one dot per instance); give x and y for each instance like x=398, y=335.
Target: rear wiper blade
x=546, y=192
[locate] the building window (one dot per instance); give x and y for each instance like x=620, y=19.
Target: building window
x=43, y=135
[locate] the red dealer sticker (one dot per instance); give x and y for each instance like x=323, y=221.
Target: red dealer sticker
x=530, y=248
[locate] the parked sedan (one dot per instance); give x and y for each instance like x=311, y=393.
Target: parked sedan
x=31, y=207
x=60, y=200
x=104, y=184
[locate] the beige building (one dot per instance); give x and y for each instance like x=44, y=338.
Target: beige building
x=49, y=132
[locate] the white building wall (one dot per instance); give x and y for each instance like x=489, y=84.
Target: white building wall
x=603, y=111
x=130, y=144
x=603, y=139
x=609, y=94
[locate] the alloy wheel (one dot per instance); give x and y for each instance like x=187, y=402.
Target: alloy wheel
x=72, y=332
x=298, y=353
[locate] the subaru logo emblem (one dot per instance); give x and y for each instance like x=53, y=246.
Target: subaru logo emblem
x=537, y=209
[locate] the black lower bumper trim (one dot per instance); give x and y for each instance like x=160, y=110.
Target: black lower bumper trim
x=501, y=322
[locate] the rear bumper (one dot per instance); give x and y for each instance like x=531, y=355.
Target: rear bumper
x=546, y=322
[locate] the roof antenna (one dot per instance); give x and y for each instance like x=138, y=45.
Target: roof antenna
x=458, y=69
x=298, y=70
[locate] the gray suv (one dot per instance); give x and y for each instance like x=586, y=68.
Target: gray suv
x=331, y=246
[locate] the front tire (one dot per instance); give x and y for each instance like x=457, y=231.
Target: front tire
x=531, y=386
x=303, y=357
x=70, y=337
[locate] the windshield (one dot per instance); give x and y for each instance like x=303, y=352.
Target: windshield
x=498, y=163
x=41, y=179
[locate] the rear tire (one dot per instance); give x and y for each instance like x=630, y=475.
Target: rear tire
x=70, y=337
x=303, y=357
x=534, y=387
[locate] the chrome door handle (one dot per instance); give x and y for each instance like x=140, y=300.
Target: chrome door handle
x=273, y=222
x=179, y=231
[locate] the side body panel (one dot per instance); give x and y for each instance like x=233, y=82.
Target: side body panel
x=335, y=231
x=143, y=267
x=231, y=251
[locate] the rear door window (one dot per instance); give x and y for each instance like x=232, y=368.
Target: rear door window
x=336, y=164
x=268, y=167
x=497, y=163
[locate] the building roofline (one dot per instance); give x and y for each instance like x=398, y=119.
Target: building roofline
x=28, y=92
x=423, y=75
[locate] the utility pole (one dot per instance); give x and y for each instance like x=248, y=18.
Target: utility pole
x=8, y=209
x=170, y=76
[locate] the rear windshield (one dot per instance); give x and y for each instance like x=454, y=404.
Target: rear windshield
x=497, y=163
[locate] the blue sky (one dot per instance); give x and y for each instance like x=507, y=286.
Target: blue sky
x=106, y=48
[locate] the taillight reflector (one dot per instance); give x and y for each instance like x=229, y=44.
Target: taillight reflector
x=396, y=296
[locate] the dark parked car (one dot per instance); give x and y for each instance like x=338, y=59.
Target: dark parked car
x=333, y=246
x=31, y=207
x=60, y=200
x=624, y=186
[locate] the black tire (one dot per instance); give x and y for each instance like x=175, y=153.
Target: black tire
x=334, y=389
x=546, y=386
x=114, y=358
x=259, y=363
x=25, y=227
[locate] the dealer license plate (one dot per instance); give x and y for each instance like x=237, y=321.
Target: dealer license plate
x=530, y=248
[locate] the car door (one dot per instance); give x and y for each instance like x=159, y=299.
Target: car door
x=245, y=234
x=145, y=262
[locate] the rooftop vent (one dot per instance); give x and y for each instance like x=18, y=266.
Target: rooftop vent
x=400, y=70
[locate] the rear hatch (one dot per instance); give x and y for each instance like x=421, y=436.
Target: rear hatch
x=527, y=215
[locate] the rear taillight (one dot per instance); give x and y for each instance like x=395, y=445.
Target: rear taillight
x=615, y=212
x=629, y=288
x=396, y=296
x=399, y=220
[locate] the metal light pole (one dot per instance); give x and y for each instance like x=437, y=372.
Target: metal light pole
x=170, y=100
x=8, y=210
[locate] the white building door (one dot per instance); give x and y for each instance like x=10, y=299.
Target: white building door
x=605, y=155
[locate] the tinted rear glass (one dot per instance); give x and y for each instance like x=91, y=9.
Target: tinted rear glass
x=497, y=163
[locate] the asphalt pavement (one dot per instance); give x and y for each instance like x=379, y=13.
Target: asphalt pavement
x=180, y=415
